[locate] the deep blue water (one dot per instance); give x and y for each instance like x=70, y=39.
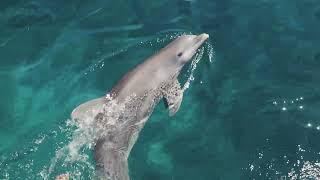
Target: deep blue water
x=250, y=114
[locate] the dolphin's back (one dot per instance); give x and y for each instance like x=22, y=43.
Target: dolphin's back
x=133, y=81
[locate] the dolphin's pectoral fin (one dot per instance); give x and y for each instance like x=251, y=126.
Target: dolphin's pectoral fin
x=88, y=109
x=173, y=97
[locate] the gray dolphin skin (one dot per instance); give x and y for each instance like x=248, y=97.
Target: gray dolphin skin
x=121, y=114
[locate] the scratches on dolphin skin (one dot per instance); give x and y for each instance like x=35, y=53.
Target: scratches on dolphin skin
x=126, y=114
x=119, y=124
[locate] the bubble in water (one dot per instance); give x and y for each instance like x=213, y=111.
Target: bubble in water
x=309, y=125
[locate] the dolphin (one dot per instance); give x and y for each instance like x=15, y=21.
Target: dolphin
x=121, y=114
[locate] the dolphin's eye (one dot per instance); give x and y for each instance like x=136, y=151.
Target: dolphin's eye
x=180, y=54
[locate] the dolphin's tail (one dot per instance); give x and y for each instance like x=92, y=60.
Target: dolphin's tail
x=111, y=164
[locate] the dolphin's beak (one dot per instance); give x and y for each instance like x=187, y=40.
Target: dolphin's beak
x=199, y=40
x=202, y=37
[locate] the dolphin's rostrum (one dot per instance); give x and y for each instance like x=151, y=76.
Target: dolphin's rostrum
x=121, y=114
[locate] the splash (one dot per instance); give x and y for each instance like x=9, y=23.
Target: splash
x=88, y=130
x=74, y=156
x=199, y=55
x=210, y=51
x=193, y=67
x=309, y=170
x=287, y=166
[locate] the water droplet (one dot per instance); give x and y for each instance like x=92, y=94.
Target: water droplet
x=251, y=167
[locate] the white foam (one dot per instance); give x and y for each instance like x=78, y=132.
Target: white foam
x=193, y=67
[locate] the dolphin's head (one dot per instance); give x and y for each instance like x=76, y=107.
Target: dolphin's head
x=182, y=49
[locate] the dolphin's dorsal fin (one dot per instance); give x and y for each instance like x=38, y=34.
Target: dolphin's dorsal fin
x=88, y=109
x=173, y=97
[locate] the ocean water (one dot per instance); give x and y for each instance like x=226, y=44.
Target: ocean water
x=251, y=110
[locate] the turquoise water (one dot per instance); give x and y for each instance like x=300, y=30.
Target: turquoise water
x=251, y=113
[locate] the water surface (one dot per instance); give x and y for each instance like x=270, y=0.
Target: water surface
x=251, y=111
